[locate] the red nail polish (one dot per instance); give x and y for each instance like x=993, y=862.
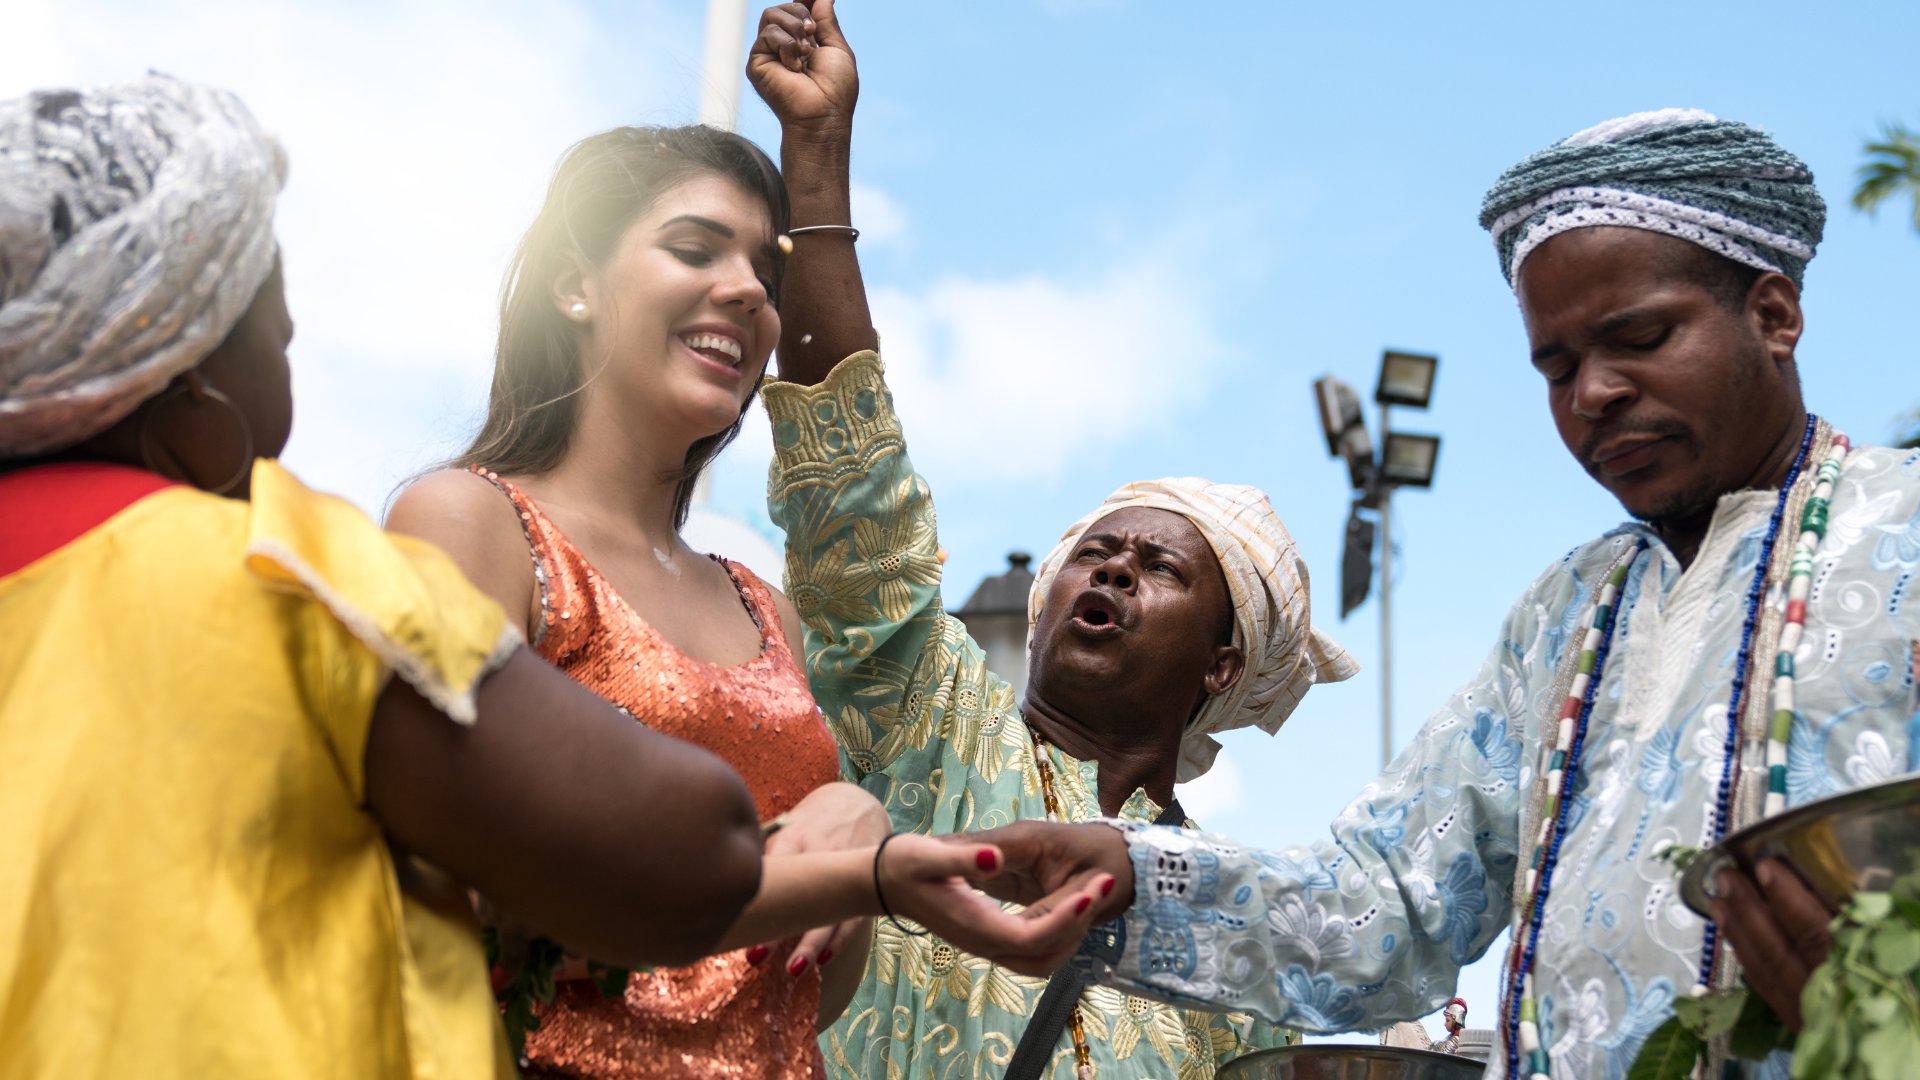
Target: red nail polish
x=798, y=965
x=986, y=859
x=757, y=954
x=1081, y=907
x=1107, y=889
x=824, y=957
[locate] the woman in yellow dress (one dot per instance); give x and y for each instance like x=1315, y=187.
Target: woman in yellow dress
x=233, y=843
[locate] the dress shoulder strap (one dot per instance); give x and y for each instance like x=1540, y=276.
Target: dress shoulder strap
x=557, y=570
x=757, y=596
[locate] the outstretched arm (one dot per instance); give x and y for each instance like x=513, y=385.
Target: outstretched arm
x=931, y=882
x=803, y=69
x=641, y=849
x=1346, y=935
x=834, y=817
x=625, y=844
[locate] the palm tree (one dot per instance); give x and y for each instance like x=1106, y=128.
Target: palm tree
x=1892, y=167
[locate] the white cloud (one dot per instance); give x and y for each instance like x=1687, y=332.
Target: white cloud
x=1215, y=794
x=882, y=221
x=1019, y=377
x=1025, y=377
x=420, y=135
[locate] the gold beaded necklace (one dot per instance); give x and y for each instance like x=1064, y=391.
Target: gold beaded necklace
x=1082, y=1054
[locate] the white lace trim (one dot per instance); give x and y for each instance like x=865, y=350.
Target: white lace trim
x=1654, y=205
x=1714, y=231
x=456, y=702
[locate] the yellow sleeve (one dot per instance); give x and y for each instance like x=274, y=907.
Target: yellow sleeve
x=402, y=599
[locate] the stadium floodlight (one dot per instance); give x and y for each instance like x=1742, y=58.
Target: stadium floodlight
x=1406, y=379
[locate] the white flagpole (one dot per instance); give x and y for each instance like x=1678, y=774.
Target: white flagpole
x=720, y=76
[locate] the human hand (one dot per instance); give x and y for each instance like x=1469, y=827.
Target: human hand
x=833, y=817
x=1044, y=858
x=1779, y=929
x=932, y=881
x=802, y=67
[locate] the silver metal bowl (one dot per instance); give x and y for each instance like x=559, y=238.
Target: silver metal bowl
x=1858, y=841
x=1333, y=1061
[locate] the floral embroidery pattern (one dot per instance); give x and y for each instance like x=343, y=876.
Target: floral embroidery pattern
x=939, y=740
x=1373, y=927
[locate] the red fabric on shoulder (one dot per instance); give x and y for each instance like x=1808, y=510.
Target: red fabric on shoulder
x=43, y=508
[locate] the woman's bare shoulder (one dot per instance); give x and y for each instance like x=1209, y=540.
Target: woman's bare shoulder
x=448, y=500
x=470, y=519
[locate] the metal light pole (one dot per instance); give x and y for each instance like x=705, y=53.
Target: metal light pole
x=1386, y=604
x=1404, y=460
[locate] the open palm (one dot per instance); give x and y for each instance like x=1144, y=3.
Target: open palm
x=932, y=881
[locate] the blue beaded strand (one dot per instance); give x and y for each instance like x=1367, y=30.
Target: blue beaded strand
x=1730, y=762
x=1524, y=968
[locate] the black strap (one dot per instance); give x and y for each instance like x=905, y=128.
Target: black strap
x=1049, y=1019
x=1063, y=992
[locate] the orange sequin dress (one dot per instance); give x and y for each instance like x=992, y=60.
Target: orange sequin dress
x=721, y=1017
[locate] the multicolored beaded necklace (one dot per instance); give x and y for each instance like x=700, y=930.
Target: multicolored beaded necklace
x=1813, y=529
x=1082, y=1053
x=1521, y=1021
x=1523, y=1014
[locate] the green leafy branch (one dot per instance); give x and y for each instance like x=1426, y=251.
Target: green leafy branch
x=527, y=979
x=1678, y=856
x=1861, y=1007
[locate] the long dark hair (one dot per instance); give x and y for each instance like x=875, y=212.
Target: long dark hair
x=603, y=183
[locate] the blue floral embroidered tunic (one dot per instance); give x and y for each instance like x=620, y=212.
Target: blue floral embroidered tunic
x=1418, y=879
x=940, y=740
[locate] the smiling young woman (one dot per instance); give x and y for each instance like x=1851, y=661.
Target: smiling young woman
x=637, y=319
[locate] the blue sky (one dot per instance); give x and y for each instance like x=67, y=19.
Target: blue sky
x=1106, y=239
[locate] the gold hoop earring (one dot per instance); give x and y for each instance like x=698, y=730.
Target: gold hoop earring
x=211, y=393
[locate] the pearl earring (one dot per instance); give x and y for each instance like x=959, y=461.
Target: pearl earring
x=577, y=311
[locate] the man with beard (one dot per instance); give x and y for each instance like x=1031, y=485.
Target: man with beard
x=1743, y=645
x=1177, y=609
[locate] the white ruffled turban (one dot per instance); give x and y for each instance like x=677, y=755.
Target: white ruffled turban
x=136, y=225
x=1267, y=581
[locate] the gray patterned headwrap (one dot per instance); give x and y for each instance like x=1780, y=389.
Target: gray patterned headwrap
x=136, y=225
x=1683, y=172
